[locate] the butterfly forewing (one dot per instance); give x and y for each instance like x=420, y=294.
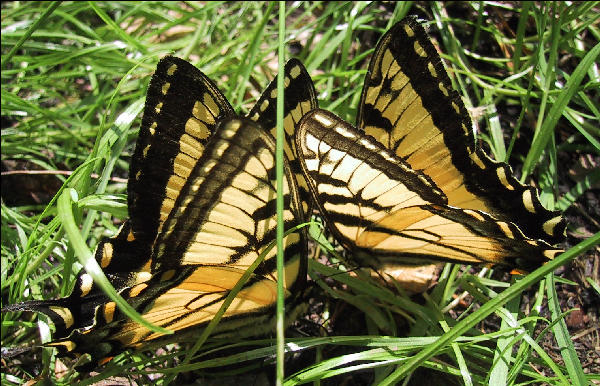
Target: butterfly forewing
x=408, y=104
x=182, y=109
x=387, y=213
x=225, y=214
x=349, y=176
x=183, y=106
x=299, y=98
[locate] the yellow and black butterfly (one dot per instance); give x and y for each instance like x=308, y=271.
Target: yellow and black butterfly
x=415, y=189
x=223, y=219
x=202, y=209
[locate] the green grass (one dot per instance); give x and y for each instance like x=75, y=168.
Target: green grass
x=74, y=77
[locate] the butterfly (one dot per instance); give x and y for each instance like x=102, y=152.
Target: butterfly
x=201, y=199
x=408, y=186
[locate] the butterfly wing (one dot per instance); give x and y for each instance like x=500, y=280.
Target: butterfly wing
x=408, y=104
x=182, y=109
x=385, y=212
x=183, y=106
x=223, y=220
x=225, y=214
x=299, y=98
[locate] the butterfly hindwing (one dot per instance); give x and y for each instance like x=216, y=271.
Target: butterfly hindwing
x=78, y=311
x=385, y=212
x=182, y=300
x=408, y=104
x=99, y=339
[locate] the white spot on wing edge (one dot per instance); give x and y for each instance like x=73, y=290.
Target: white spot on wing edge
x=322, y=119
x=172, y=69
x=551, y=224
x=65, y=314
x=86, y=284
x=528, y=201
